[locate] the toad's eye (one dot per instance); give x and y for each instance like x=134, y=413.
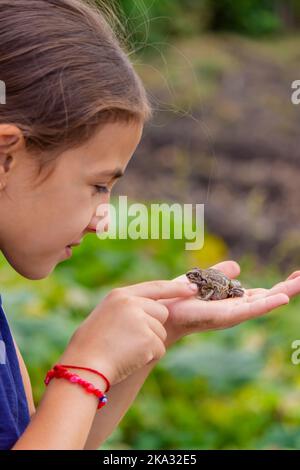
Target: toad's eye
x=102, y=189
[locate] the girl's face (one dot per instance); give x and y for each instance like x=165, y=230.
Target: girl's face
x=38, y=221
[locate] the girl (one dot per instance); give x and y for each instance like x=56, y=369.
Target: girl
x=74, y=115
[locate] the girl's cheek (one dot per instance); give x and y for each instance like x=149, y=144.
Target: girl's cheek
x=87, y=212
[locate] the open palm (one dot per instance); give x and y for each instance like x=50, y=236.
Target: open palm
x=194, y=315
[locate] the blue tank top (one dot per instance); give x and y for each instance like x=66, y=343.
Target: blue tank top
x=14, y=412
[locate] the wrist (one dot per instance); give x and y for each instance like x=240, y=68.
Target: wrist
x=62, y=372
x=94, y=379
x=75, y=359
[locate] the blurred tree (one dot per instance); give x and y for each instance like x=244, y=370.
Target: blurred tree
x=254, y=17
x=145, y=22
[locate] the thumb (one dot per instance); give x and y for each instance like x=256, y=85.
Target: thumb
x=229, y=268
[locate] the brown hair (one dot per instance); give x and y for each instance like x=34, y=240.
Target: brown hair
x=66, y=73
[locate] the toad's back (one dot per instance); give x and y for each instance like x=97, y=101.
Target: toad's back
x=217, y=278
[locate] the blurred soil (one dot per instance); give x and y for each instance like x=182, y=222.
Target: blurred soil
x=231, y=141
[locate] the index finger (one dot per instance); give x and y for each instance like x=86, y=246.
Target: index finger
x=162, y=289
x=229, y=268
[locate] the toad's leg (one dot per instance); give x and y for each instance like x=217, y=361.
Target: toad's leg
x=236, y=292
x=206, y=293
x=235, y=289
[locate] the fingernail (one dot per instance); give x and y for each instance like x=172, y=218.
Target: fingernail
x=193, y=287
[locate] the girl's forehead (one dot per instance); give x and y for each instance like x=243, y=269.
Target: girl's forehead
x=106, y=154
x=114, y=145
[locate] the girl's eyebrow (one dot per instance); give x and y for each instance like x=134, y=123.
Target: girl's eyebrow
x=113, y=174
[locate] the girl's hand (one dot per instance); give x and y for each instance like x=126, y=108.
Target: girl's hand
x=125, y=331
x=194, y=315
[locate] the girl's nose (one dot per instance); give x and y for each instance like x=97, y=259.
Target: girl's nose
x=92, y=227
x=91, y=230
x=94, y=230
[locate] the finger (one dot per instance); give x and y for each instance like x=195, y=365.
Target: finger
x=248, y=310
x=157, y=328
x=162, y=289
x=290, y=287
x=260, y=294
x=180, y=278
x=154, y=309
x=256, y=291
x=229, y=268
x=293, y=275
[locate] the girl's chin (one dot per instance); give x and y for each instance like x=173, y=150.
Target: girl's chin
x=35, y=273
x=31, y=269
x=38, y=268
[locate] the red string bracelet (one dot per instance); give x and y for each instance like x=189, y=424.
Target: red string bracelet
x=90, y=370
x=59, y=371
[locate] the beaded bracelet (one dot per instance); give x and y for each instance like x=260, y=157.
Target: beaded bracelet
x=90, y=370
x=60, y=371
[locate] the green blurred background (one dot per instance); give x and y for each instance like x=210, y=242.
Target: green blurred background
x=225, y=133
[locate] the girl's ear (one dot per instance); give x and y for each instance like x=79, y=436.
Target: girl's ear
x=10, y=139
x=9, y=135
x=5, y=167
x=6, y=140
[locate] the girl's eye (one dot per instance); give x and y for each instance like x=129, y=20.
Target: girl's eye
x=102, y=189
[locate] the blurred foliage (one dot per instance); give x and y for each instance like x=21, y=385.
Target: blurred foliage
x=253, y=17
x=235, y=388
x=159, y=20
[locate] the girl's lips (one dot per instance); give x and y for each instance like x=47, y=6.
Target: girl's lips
x=68, y=251
x=76, y=243
x=68, y=248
